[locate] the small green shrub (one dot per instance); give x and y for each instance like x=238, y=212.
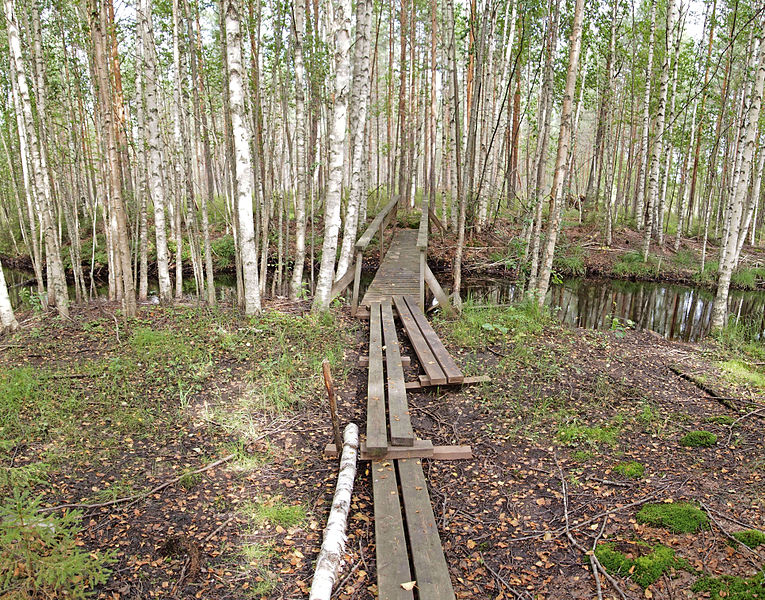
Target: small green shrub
x=39, y=556
x=631, y=264
x=573, y=434
x=631, y=469
x=748, y=279
x=732, y=588
x=698, y=439
x=750, y=537
x=643, y=570
x=224, y=251
x=680, y=517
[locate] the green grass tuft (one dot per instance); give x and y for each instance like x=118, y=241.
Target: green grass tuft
x=575, y=434
x=732, y=588
x=680, y=517
x=750, y=537
x=631, y=264
x=698, y=439
x=643, y=570
x=631, y=469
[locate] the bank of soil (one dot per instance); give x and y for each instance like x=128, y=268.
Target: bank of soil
x=587, y=399
x=581, y=252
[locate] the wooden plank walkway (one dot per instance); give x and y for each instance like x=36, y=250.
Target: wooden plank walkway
x=399, y=272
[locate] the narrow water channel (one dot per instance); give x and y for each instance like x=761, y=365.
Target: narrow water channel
x=676, y=312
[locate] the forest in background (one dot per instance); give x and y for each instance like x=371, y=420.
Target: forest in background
x=142, y=140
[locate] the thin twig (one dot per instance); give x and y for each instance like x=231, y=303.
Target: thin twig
x=732, y=538
x=751, y=413
x=143, y=495
x=501, y=580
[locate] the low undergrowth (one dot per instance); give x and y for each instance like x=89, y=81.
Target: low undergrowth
x=645, y=568
x=680, y=517
x=732, y=588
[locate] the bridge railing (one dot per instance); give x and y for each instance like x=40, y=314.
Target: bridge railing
x=378, y=225
x=422, y=246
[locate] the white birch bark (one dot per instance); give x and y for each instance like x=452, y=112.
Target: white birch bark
x=243, y=160
x=661, y=110
x=7, y=318
x=561, y=160
x=301, y=166
x=643, y=167
x=687, y=191
x=42, y=185
x=332, y=548
x=742, y=175
x=359, y=99
x=154, y=144
x=342, y=35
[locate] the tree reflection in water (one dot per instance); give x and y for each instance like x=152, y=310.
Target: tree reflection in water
x=674, y=311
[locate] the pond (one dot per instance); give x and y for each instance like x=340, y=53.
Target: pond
x=676, y=312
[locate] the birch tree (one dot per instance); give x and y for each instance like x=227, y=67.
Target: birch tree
x=342, y=36
x=7, y=318
x=729, y=252
x=245, y=180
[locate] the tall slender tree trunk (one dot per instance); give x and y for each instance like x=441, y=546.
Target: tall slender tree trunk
x=735, y=213
x=564, y=140
x=245, y=181
x=342, y=39
x=7, y=318
x=359, y=100
x=653, y=181
x=644, y=167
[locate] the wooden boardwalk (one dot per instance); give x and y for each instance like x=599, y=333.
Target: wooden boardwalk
x=399, y=273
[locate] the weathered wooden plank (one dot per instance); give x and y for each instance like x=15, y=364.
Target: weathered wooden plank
x=420, y=449
x=377, y=437
x=453, y=373
x=424, y=381
x=390, y=541
x=424, y=354
x=430, y=569
x=401, y=433
x=405, y=361
x=399, y=271
x=367, y=236
x=438, y=291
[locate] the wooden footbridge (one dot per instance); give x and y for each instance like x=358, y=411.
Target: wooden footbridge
x=408, y=547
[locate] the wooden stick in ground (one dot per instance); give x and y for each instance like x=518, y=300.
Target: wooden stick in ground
x=332, y=402
x=331, y=555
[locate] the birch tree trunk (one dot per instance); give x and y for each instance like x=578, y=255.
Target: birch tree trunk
x=154, y=143
x=245, y=181
x=643, y=168
x=564, y=141
x=359, y=100
x=746, y=147
x=42, y=185
x=653, y=181
x=7, y=318
x=301, y=166
x=342, y=35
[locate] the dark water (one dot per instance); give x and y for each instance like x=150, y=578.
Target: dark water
x=674, y=311
x=677, y=312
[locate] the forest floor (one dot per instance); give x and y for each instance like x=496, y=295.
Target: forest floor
x=581, y=252
x=99, y=410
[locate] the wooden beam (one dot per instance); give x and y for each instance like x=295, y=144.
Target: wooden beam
x=421, y=449
x=356, y=281
x=390, y=541
x=367, y=236
x=339, y=286
x=377, y=435
x=405, y=361
x=401, y=433
x=424, y=354
x=438, y=292
x=453, y=373
x=424, y=381
x=436, y=220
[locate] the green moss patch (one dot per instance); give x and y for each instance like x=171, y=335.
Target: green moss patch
x=643, y=569
x=680, y=517
x=631, y=469
x=750, y=537
x=698, y=439
x=732, y=588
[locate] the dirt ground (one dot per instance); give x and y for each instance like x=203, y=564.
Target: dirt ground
x=564, y=405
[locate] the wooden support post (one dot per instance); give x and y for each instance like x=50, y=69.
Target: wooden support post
x=356, y=281
x=382, y=241
x=332, y=402
x=423, y=268
x=438, y=292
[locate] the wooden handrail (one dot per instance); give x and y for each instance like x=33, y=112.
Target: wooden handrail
x=364, y=240
x=422, y=236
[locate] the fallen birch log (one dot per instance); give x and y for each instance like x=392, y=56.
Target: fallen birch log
x=331, y=554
